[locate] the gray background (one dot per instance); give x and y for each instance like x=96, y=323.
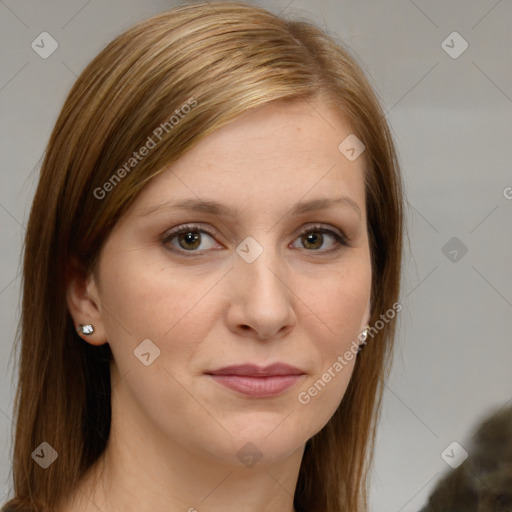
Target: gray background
x=452, y=122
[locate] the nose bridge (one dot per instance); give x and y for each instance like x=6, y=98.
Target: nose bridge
x=258, y=265
x=261, y=297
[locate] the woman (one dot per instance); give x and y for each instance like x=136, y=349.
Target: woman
x=216, y=232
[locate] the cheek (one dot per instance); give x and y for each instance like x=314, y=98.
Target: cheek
x=340, y=302
x=341, y=306
x=152, y=300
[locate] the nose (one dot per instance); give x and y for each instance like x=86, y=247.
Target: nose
x=261, y=298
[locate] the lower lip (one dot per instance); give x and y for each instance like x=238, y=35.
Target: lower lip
x=258, y=387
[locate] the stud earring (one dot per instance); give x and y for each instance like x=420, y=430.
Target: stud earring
x=363, y=335
x=85, y=329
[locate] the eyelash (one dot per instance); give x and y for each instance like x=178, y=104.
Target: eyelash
x=341, y=240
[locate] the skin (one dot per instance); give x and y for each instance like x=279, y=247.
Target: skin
x=176, y=432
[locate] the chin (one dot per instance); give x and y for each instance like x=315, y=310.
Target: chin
x=258, y=441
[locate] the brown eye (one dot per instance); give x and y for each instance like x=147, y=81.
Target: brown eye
x=314, y=238
x=189, y=238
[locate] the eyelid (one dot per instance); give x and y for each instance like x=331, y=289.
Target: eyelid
x=191, y=227
x=322, y=228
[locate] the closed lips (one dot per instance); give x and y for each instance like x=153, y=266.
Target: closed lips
x=247, y=370
x=258, y=382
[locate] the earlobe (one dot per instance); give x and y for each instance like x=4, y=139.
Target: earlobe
x=84, y=305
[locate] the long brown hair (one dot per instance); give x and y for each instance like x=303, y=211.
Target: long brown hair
x=135, y=84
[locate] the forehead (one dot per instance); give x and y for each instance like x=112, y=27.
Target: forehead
x=281, y=152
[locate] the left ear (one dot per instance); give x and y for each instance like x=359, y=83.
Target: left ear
x=83, y=303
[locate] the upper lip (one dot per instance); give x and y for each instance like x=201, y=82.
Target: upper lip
x=258, y=371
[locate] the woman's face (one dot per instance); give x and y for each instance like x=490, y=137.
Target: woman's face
x=260, y=275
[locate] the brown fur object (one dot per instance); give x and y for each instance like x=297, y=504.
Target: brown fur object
x=483, y=482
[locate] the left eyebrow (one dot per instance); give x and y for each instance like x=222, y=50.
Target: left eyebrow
x=215, y=208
